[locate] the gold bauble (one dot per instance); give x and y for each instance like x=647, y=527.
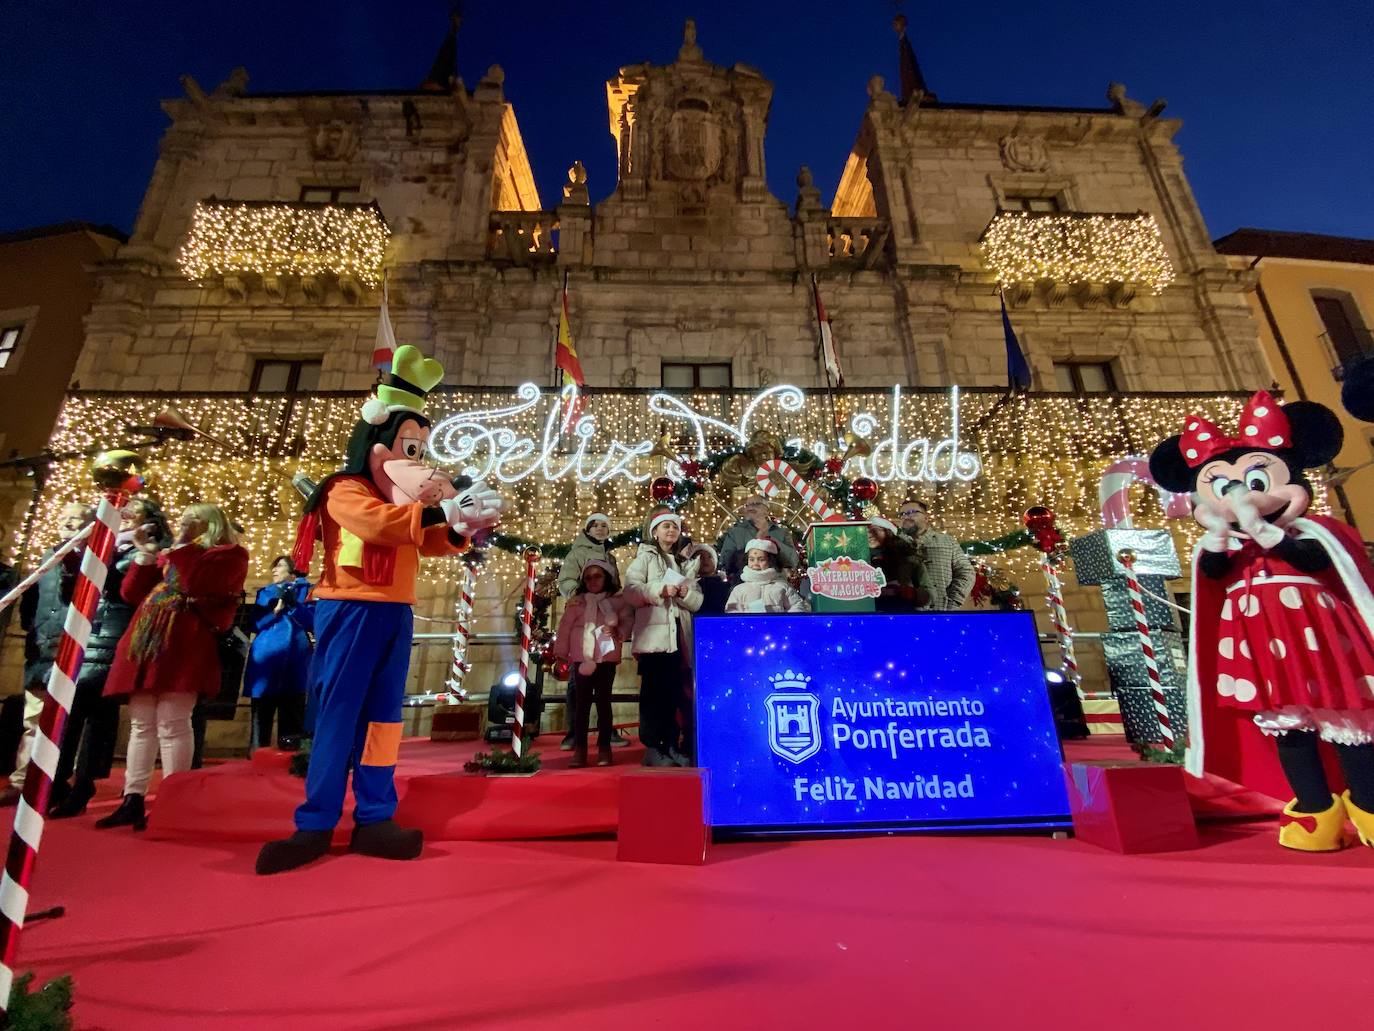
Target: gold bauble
x=118, y=470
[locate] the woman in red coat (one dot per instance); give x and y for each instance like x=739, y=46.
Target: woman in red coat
x=186, y=598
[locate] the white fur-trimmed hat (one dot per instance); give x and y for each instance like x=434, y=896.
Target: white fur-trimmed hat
x=594, y=517
x=761, y=544
x=664, y=517
x=701, y=548
x=884, y=524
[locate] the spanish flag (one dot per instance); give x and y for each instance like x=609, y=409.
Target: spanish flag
x=565, y=354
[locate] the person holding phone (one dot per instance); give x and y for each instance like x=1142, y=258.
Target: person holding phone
x=279, y=658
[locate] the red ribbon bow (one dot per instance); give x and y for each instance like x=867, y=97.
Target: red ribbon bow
x=1262, y=426
x=1307, y=823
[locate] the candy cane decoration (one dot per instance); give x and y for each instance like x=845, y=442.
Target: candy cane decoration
x=461, y=635
x=517, y=742
x=794, y=479
x=1054, y=601
x=1114, y=493
x=66, y=667
x=1166, y=728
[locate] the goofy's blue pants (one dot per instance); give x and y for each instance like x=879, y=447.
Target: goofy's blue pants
x=358, y=679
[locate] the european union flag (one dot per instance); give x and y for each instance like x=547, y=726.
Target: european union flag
x=1018, y=372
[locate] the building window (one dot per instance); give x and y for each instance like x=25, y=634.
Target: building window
x=1021, y=202
x=1084, y=377
x=9, y=343
x=275, y=376
x=315, y=194
x=1346, y=332
x=696, y=376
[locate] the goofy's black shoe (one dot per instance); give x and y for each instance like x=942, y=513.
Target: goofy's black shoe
x=385, y=840
x=288, y=853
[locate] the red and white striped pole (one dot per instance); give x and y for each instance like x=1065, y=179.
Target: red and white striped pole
x=1054, y=600
x=57, y=705
x=462, y=633
x=517, y=738
x=1147, y=648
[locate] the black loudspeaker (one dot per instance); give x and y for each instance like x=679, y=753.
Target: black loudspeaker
x=1069, y=722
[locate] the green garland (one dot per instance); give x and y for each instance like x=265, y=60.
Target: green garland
x=48, y=1009
x=1010, y=542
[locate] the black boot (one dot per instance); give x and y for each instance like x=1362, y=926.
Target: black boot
x=75, y=803
x=129, y=814
x=385, y=840
x=288, y=853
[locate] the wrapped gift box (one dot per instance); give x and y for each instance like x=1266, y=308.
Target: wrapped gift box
x=1130, y=807
x=663, y=817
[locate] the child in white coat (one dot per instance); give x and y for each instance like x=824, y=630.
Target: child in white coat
x=663, y=596
x=589, y=637
x=762, y=586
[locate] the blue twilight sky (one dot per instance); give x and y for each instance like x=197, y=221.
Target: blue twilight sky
x=1275, y=96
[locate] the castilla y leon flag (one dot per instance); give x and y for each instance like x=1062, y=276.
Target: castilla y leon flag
x=565, y=354
x=829, y=355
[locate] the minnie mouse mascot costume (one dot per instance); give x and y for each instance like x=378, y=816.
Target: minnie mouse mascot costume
x=1283, y=621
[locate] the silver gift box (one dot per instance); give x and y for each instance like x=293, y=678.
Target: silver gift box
x=1094, y=556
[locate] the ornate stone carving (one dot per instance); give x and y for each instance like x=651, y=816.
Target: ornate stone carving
x=694, y=146
x=1024, y=153
x=334, y=141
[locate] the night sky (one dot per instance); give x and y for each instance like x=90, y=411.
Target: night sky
x=1275, y=97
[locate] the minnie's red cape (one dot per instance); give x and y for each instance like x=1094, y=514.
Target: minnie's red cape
x=1225, y=741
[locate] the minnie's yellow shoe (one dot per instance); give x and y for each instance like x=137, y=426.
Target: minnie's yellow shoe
x=1363, y=820
x=1316, y=832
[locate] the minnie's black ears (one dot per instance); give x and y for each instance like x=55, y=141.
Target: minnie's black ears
x=1169, y=469
x=1357, y=394
x=1317, y=433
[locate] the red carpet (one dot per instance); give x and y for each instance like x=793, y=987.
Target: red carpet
x=243, y=801
x=910, y=932
x=247, y=802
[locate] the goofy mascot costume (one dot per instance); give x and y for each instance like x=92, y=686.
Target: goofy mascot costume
x=376, y=517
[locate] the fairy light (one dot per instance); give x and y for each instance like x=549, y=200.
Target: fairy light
x=1026, y=247
x=285, y=239
x=1035, y=449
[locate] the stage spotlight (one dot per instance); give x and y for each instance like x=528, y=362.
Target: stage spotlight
x=511, y=679
x=1069, y=720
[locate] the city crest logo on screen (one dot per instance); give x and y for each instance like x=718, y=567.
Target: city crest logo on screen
x=794, y=725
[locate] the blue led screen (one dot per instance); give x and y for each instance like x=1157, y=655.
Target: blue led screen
x=833, y=722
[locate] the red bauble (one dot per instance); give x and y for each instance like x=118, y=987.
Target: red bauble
x=1038, y=520
x=863, y=489
x=562, y=669
x=834, y=466
x=662, y=488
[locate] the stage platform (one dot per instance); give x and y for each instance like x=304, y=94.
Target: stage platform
x=253, y=800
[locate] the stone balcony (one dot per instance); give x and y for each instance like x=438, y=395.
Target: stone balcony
x=1097, y=258
x=856, y=242
x=523, y=237
x=244, y=243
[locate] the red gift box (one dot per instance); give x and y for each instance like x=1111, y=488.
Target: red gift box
x=1131, y=807
x=663, y=817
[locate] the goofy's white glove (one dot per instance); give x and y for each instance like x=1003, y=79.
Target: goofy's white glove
x=477, y=508
x=1261, y=531
x=1217, y=539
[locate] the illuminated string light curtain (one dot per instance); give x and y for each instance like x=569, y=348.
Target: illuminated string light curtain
x=1026, y=247
x=285, y=239
x=1035, y=450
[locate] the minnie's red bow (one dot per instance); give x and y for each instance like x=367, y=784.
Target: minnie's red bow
x=1262, y=426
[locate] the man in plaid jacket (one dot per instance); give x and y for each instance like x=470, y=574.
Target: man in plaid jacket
x=951, y=573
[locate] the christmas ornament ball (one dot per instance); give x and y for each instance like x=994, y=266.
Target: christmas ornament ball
x=661, y=489
x=864, y=489
x=1038, y=519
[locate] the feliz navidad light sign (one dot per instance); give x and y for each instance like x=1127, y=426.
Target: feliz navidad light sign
x=485, y=444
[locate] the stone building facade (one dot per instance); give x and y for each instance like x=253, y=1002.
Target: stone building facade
x=1081, y=218
x=690, y=259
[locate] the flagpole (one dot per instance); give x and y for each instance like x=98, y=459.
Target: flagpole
x=820, y=353
x=559, y=380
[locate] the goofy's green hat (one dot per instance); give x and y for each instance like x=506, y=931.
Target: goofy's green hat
x=405, y=387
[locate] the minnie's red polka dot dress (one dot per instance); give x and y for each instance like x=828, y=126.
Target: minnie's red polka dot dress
x=1291, y=642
